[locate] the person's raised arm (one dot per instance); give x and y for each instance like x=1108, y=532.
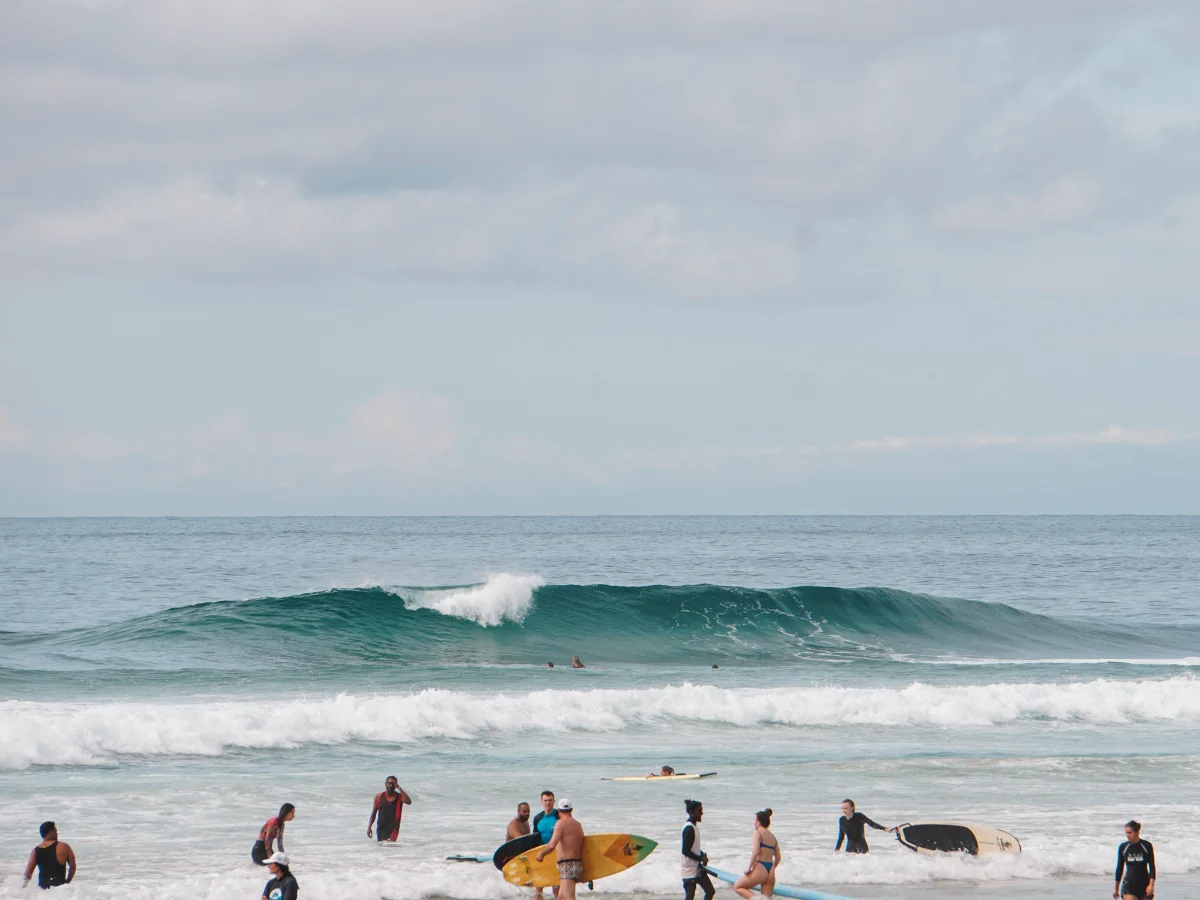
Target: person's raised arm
x=374, y=813
x=70, y=861
x=30, y=866
x=555, y=839
x=405, y=798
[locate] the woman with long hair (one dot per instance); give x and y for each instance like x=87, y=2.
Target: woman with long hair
x=282, y=885
x=764, y=859
x=271, y=834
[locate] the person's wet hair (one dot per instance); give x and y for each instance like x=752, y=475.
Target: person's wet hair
x=764, y=817
x=46, y=828
x=283, y=811
x=1135, y=825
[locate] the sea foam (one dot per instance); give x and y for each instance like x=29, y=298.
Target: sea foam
x=502, y=598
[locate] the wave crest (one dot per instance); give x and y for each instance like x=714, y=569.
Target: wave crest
x=502, y=598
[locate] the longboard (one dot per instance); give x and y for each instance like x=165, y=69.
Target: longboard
x=661, y=777
x=470, y=857
x=781, y=890
x=603, y=855
x=515, y=848
x=955, y=837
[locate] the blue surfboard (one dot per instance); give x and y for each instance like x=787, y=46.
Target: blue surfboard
x=781, y=890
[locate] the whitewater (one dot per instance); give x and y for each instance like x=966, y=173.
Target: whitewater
x=1037, y=675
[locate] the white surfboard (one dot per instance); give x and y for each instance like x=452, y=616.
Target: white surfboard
x=956, y=837
x=661, y=777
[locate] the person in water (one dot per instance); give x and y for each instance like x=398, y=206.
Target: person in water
x=282, y=885
x=543, y=824
x=694, y=857
x=389, y=806
x=1135, y=858
x=663, y=772
x=270, y=836
x=567, y=842
x=850, y=829
x=518, y=827
x=577, y=663
x=53, y=859
x=764, y=859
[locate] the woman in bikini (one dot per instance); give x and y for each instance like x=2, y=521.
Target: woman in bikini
x=764, y=858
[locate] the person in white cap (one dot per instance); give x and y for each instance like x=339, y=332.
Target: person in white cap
x=283, y=886
x=568, y=842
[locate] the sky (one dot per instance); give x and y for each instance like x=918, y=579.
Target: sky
x=534, y=257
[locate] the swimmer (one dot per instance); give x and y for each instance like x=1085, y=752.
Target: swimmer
x=694, y=857
x=518, y=827
x=271, y=833
x=282, y=885
x=764, y=859
x=663, y=772
x=1135, y=858
x=53, y=859
x=567, y=842
x=389, y=806
x=850, y=829
x=577, y=663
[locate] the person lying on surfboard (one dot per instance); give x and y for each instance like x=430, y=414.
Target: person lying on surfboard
x=664, y=772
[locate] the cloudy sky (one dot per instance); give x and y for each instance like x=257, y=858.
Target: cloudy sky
x=381, y=256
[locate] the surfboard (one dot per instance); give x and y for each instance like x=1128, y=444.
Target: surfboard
x=515, y=848
x=661, y=777
x=470, y=857
x=781, y=890
x=955, y=837
x=603, y=855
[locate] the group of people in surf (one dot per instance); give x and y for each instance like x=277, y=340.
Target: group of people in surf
x=559, y=831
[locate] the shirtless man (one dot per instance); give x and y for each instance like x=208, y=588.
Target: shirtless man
x=568, y=842
x=518, y=827
x=54, y=860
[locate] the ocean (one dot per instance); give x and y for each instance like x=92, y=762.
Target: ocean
x=165, y=684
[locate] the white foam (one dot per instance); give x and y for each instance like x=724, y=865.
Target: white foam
x=503, y=597
x=57, y=733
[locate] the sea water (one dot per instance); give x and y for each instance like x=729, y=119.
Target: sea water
x=165, y=684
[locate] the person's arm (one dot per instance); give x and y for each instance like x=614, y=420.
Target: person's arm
x=374, y=813
x=1151, y=869
x=30, y=866
x=279, y=837
x=70, y=859
x=873, y=823
x=689, y=839
x=841, y=833
x=554, y=841
x=290, y=889
x=755, y=845
x=1120, y=869
x=405, y=798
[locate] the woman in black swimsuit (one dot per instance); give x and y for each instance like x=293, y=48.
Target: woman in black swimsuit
x=1135, y=858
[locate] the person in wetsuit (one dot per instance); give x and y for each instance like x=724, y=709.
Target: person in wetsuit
x=389, y=806
x=53, y=859
x=282, y=885
x=851, y=829
x=271, y=834
x=1135, y=858
x=694, y=857
x=764, y=859
x=543, y=825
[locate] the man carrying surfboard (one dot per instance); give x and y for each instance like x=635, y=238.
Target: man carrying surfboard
x=567, y=842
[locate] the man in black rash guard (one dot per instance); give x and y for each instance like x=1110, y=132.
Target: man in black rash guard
x=694, y=857
x=1135, y=858
x=850, y=829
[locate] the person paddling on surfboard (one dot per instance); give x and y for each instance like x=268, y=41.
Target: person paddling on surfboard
x=567, y=841
x=851, y=829
x=694, y=857
x=518, y=827
x=663, y=772
x=764, y=859
x=389, y=806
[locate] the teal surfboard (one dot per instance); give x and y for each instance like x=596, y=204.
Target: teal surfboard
x=781, y=890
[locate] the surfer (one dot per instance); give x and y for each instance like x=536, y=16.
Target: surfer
x=53, y=859
x=577, y=663
x=518, y=827
x=663, y=772
x=764, y=859
x=1135, y=858
x=271, y=833
x=567, y=840
x=850, y=829
x=282, y=885
x=389, y=806
x=544, y=822
x=694, y=857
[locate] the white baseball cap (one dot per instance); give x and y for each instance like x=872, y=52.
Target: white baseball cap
x=565, y=805
x=279, y=858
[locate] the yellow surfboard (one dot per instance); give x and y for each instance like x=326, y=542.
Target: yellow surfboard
x=603, y=855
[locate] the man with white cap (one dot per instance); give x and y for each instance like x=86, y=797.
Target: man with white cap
x=568, y=842
x=283, y=886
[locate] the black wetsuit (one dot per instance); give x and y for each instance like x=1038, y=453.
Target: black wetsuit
x=851, y=831
x=284, y=888
x=1137, y=862
x=701, y=879
x=51, y=873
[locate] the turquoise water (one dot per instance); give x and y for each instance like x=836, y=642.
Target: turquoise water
x=165, y=684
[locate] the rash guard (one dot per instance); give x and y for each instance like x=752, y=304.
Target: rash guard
x=851, y=831
x=1137, y=861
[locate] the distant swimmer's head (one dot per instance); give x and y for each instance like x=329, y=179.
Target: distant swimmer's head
x=848, y=808
x=564, y=806
x=547, y=800
x=287, y=812
x=48, y=830
x=1133, y=830
x=666, y=770
x=695, y=809
x=763, y=817
x=549, y=665
x=523, y=812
